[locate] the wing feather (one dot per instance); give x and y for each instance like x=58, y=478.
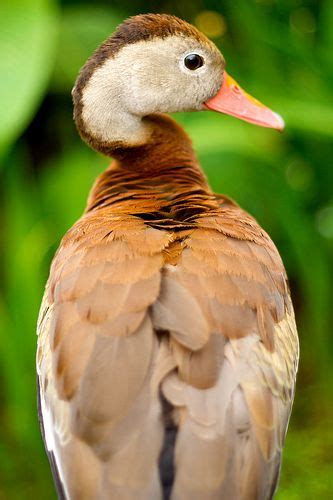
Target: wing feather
x=204, y=315
x=95, y=361
x=233, y=395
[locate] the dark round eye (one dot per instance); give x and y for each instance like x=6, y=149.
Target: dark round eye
x=193, y=61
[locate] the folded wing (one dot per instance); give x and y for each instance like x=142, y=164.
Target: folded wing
x=234, y=341
x=96, y=350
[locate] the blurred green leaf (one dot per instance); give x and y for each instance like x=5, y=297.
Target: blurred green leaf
x=26, y=244
x=82, y=30
x=310, y=117
x=229, y=134
x=27, y=46
x=69, y=178
x=307, y=450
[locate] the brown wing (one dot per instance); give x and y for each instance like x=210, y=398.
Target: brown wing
x=228, y=361
x=233, y=337
x=95, y=360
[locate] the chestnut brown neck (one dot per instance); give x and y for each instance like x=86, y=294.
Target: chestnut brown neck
x=168, y=145
x=155, y=178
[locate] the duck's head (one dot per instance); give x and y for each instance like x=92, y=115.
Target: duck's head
x=156, y=63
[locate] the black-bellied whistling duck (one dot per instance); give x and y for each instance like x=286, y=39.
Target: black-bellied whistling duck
x=167, y=350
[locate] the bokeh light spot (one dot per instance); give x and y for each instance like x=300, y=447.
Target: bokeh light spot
x=303, y=21
x=211, y=23
x=325, y=222
x=299, y=174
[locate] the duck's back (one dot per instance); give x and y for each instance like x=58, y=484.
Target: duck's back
x=167, y=352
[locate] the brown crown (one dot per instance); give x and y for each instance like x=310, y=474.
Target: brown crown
x=134, y=29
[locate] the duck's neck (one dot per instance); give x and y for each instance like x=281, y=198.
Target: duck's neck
x=166, y=145
x=158, y=171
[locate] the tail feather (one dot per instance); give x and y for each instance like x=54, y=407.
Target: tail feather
x=228, y=443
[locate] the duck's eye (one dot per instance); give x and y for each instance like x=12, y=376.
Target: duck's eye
x=193, y=61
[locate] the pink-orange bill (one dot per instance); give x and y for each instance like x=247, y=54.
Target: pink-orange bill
x=233, y=100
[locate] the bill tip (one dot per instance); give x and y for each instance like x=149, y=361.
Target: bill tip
x=279, y=122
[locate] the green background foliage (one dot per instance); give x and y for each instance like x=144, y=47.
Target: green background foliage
x=279, y=50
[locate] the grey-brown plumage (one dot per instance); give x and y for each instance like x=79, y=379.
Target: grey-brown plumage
x=167, y=349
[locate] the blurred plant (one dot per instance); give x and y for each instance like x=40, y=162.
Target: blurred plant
x=282, y=52
x=27, y=46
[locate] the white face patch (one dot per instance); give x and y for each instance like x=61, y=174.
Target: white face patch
x=148, y=77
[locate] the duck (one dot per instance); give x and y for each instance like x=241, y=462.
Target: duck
x=167, y=344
